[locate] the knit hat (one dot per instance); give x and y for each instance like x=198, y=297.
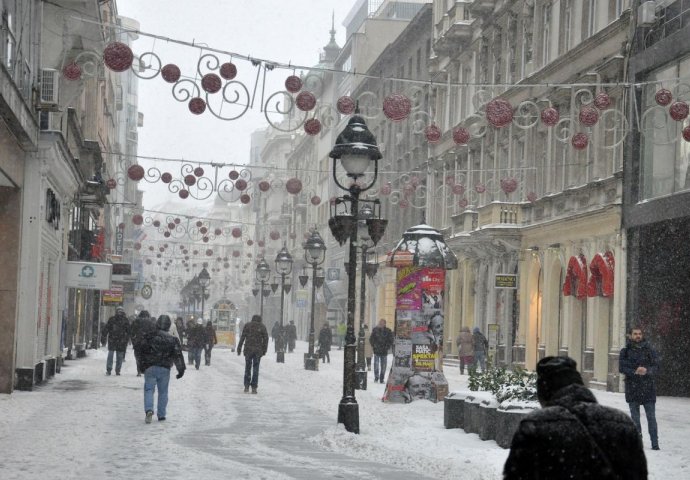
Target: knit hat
x=554, y=373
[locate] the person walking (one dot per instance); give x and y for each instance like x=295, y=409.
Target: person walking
x=158, y=352
x=291, y=334
x=480, y=345
x=254, y=338
x=191, y=324
x=572, y=436
x=196, y=339
x=210, y=339
x=116, y=333
x=381, y=341
x=639, y=362
x=325, y=341
x=141, y=326
x=465, y=346
x=276, y=335
x=368, y=350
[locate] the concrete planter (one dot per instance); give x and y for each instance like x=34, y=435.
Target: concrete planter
x=454, y=410
x=471, y=416
x=487, y=421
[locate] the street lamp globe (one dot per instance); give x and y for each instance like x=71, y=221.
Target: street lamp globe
x=263, y=271
x=283, y=261
x=204, y=278
x=314, y=249
x=355, y=147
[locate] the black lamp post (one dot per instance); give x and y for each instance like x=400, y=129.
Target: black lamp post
x=355, y=148
x=314, y=254
x=204, y=280
x=195, y=290
x=263, y=272
x=283, y=268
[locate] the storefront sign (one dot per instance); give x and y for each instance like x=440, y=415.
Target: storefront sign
x=113, y=296
x=88, y=275
x=505, y=281
x=119, y=239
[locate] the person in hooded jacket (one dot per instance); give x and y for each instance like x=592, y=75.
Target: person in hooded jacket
x=196, y=339
x=480, y=345
x=210, y=339
x=158, y=352
x=572, y=436
x=142, y=325
x=465, y=344
x=254, y=338
x=291, y=334
x=639, y=362
x=325, y=340
x=116, y=333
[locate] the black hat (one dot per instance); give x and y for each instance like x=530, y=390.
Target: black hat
x=554, y=373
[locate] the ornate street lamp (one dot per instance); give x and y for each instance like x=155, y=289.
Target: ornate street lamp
x=204, y=281
x=195, y=289
x=355, y=149
x=314, y=254
x=283, y=268
x=263, y=272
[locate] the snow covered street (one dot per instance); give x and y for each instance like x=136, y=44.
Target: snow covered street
x=84, y=424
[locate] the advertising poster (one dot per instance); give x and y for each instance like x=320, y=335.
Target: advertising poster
x=423, y=357
x=408, y=291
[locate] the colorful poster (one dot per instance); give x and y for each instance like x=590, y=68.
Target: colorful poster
x=423, y=357
x=409, y=293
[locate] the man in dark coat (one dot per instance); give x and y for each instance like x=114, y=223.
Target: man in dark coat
x=196, y=339
x=116, y=333
x=141, y=326
x=381, y=341
x=210, y=340
x=276, y=336
x=254, y=338
x=158, y=351
x=291, y=333
x=573, y=436
x=325, y=341
x=639, y=362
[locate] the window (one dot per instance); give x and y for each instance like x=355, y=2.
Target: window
x=567, y=25
x=546, y=33
x=591, y=17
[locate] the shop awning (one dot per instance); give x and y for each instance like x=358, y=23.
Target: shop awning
x=576, y=277
x=601, y=275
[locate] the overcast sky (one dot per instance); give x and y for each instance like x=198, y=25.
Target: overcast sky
x=288, y=32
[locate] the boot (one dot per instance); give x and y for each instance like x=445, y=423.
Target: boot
x=246, y=389
x=254, y=390
x=149, y=416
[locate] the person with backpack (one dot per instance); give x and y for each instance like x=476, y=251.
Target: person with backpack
x=116, y=333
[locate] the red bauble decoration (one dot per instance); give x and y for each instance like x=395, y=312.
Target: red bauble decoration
x=532, y=197
x=602, y=101
x=580, y=141
x=135, y=172
x=244, y=198
x=171, y=226
x=111, y=183
x=550, y=116
x=589, y=116
x=183, y=193
x=121, y=225
x=432, y=134
x=686, y=134
x=189, y=180
x=236, y=232
x=217, y=232
x=404, y=203
x=198, y=171
x=312, y=126
x=118, y=57
x=315, y=200
x=250, y=242
x=458, y=189
x=71, y=71
x=209, y=253
x=166, y=234
x=274, y=235
x=156, y=223
x=137, y=219
x=148, y=261
x=305, y=101
x=293, y=186
x=235, y=253
x=203, y=230
x=197, y=106
x=450, y=180
x=678, y=111
x=463, y=203
x=386, y=189
x=293, y=84
x=171, y=73
x=228, y=71
x=151, y=248
x=397, y=107
x=199, y=223
x=195, y=252
x=461, y=136
x=346, y=105
x=408, y=189
x=166, y=177
x=499, y=112
x=204, y=239
x=177, y=221
x=211, y=83
x=663, y=97
x=509, y=185
x=241, y=184
x=137, y=246
x=264, y=186
x=479, y=188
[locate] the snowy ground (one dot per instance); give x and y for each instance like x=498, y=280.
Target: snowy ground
x=83, y=424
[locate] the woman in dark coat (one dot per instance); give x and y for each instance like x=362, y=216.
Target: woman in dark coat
x=325, y=341
x=210, y=341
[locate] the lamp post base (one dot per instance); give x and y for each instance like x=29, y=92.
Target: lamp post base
x=311, y=362
x=280, y=357
x=348, y=414
x=361, y=379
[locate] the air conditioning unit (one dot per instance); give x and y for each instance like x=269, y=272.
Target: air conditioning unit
x=49, y=121
x=646, y=14
x=50, y=83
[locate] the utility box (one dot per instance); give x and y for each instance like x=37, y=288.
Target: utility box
x=646, y=14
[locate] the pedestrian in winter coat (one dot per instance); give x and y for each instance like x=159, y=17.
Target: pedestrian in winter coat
x=196, y=339
x=210, y=340
x=341, y=330
x=465, y=346
x=158, y=351
x=573, y=436
x=254, y=338
x=480, y=345
x=141, y=326
x=116, y=333
x=325, y=340
x=381, y=341
x=639, y=362
x=368, y=350
x=291, y=333
x=276, y=336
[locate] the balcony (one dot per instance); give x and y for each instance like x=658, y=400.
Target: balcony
x=499, y=214
x=482, y=7
x=457, y=35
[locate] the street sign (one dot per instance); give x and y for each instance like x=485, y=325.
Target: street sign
x=504, y=280
x=113, y=296
x=146, y=292
x=88, y=275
